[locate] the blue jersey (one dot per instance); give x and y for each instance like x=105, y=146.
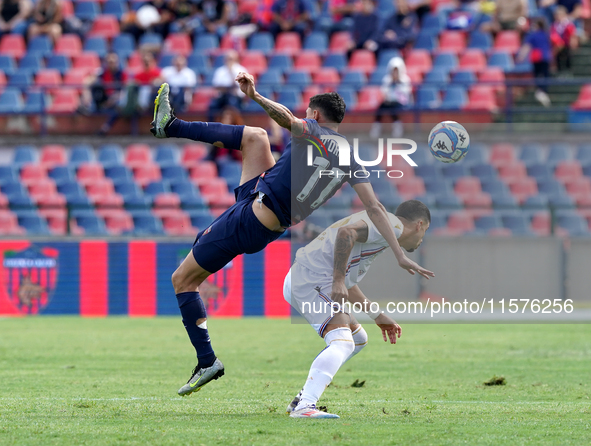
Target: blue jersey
x=307, y=174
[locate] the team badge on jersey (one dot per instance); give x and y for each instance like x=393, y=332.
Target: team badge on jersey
x=30, y=277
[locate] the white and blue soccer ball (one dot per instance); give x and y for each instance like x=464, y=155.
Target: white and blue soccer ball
x=449, y=142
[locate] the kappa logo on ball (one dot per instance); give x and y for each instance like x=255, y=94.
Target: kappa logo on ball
x=30, y=277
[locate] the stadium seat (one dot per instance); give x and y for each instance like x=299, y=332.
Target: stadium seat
x=89, y=173
x=425, y=42
x=156, y=187
x=123, y=44
x=9, y=223
x=146, y=173
x=11, y=100
x=291, y=97
x=298, y=79
x=288, y=43
x=369, y=99
x=354, y=79
x=110, y=155
x=233, y=42
x=65, y=100
x=512, y=172
x=419, y=60
x=494, y=76
x=91, y=225
x=206, y=43
x=8, y=174
x=428, y=97
x=41, y=45
x=583, y=101
x=455, y=97
x=473, y=60
x=202, y=99
x=508, y=41
x=461, y=221
x=327, y=77
x=62, y=174
x=87, y=10
x=316, y=41
x=452, y=41
x=58, y=62
x=517, y=223
x=178, y=44
x=308, y=92
x=523, y=188
x=178, y=224
x=30, y=63
x=385, y=56
x=486, y=223
x=349, y=95
x=540, y=171
x=117, y=221
x=119, y=174
x=31, y=173
x=574, y=224
x=281, y=62
x=48, y=77
x=502, y=60
x=568, y=170
x=7, y=64
x=34, y=224
x=106, y=26
x=271, y=77
x=481, y=97
x=308, y=61
x=22, y=155
x=254, y=62
x=467, y=185
x=502, y=154
x=35, y=103
x=53, y=155
x=86, y=60
x=465, y=78
x=261, y=42
x=165, y=201
x=151, y=39
x=480, y=40
x=173, y=172
x=578, y=187
x=137, y=155
x=13, y=45
x=192, y=154
x=201, y=218
x=558, y=153
x=432, y=24
x=21, y=79
x=166, y=155
x=68, y=44
x=550, y=187
x=115, y=8
x=411, y=187
x=340, y=42
x=445, y=61
x=362, y=60
x=203, y=172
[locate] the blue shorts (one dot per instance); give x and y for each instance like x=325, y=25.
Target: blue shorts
x=237, y=231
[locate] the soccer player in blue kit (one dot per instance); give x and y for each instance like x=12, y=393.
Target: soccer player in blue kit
x=265, y=205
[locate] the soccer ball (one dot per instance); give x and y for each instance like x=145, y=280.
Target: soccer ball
x=449, y=142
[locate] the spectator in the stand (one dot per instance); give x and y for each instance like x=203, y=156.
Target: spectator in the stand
x=366, y=27
x=148, y=79
x=574, y=8
x=223, y=80
x=510, y=15
x=155, y=16
x=463, y=17
x=14, y=15
x=182, y=80
x=264, y=14
x=47, y=19
x=400, y=29
x=564, y=38
x=336, y=15
x=289, y=15
x=214, y=16
x=187, y=18
x=396, y=88
x=537, y=44
x=420, y=8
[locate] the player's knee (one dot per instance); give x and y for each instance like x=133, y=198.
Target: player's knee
x=360, y=338
x=178, y=281
x=254, y=135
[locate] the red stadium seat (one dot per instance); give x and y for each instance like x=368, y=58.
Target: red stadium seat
x=201, y=99
x=65, y=100
x=13, y=45
x=508, y=41
x=477, y=204
x=583, y=102
x=138, y=155
x=68, y=45
x=411, y=187
x=9, y=223
x=106, y=26
x=473, y=59
x=106, y=201
x=248, y=7
x=541, y=222
x=340, y=42
x=523, y=188
x=193, y=153
x=326, y=77
x=363, y=60
x=134, y=62
x=96, y=187
x=57, y=219
x=482, y=97
x=41, y=186
x=467, y=186
x=31, y=173
x=50, y=201
x=67, y=8
x=369, y=98
x=165, y=203
x=203, y=172
x=288, y=43
x=495, y=76
x=577, y=187
x=87, y=60
x=178, y=224
x=308, y=61
x=178, y=44
x=568, y=171
x=76, y=78
x=2, y=79
x=48, y=77
x=502, y=154
x=117, y=220
x=230, y=42
x=144, y=174
x=512, y=172
x=452, y=41
x=415, y=74
x=53, y=155
x=90, y=172
x=419, y=60
x=3, y=201
x=461, y=221
x=254, y=62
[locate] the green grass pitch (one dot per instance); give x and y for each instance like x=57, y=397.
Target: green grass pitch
x=114, y=381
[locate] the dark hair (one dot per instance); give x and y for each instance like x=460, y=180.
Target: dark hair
x=330, y=105
x=413, y=210
x=540, y=24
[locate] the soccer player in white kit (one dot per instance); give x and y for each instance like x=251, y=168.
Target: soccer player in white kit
x=326, y=274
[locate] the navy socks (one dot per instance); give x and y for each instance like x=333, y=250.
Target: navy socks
x=192, y=309
x=210, y=132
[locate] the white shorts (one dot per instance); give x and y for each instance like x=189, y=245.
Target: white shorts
x=309, y=294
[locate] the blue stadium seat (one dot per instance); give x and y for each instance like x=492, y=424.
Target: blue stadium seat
x=480, y=40
x=281, y=62
x=298, y=78
x=40, y=45
x=137, y=204
x=445, y=61
x=448, y=201
x=150, y=39
x=8, y=174
x=119, y=174
x=377, y=77
x=438, y=185
x=502, y=60
x=97, y=45
x=584, y=153
x=34, y=224
x=558, y=152
x=262, y=41
x=438, y=220
x=218, y=61
x=165, y=60
x=335, y=60
x=477, y=155
x=116, y=8
x=531, y=153
x=455, y=98
x=192, y=201
x=86, y=11
x=271, y=77
x=436, y=78
x=123, y=44
x=561, y=201
x=464, y=77
x=428, y=97
x=21, y=204
x=147, y=225
x=58, y=62
x=504, y=201
x=92, y=225
x=317, y=41
x=62, y=174
x=536, y=202
x=124, y=187
x=289, y=96
x=166, y=155
x=71, y=188
x=523, y=67
x=231, y=172
x=354, y=79
x=157, y=187
x=199, y=63
x=183, y=186
x=206, y=42
x=432, y=24
x=425, y=171
x=79, y=201
x=423, y=155
x=484, y=171
x=30, y=63
x=21, y=79
x=488, y=222
x=550, y=187
x=81, y=153
x=110, y=155
x=200, y=218
x=575, y=224
x=540, y=171
x=7, y=64
x=172, y=172
x=13, y=188
x=425, y=41
x=385, y=56
x=35, y=102
x=349, y=95
x=454, y=171
x=518, y=224
x=11, y=100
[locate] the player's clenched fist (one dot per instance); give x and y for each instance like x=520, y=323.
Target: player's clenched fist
x=246, y=83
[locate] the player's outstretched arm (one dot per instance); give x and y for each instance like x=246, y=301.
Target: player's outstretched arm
x=390, y=329
x=279, y=113
x=377, y=213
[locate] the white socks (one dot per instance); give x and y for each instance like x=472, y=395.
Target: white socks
x=340, y=346
x=360, y=339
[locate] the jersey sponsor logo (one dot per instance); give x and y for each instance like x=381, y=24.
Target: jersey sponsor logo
x=30, y=277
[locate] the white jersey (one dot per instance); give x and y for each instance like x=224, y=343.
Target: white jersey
x=318, y=255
